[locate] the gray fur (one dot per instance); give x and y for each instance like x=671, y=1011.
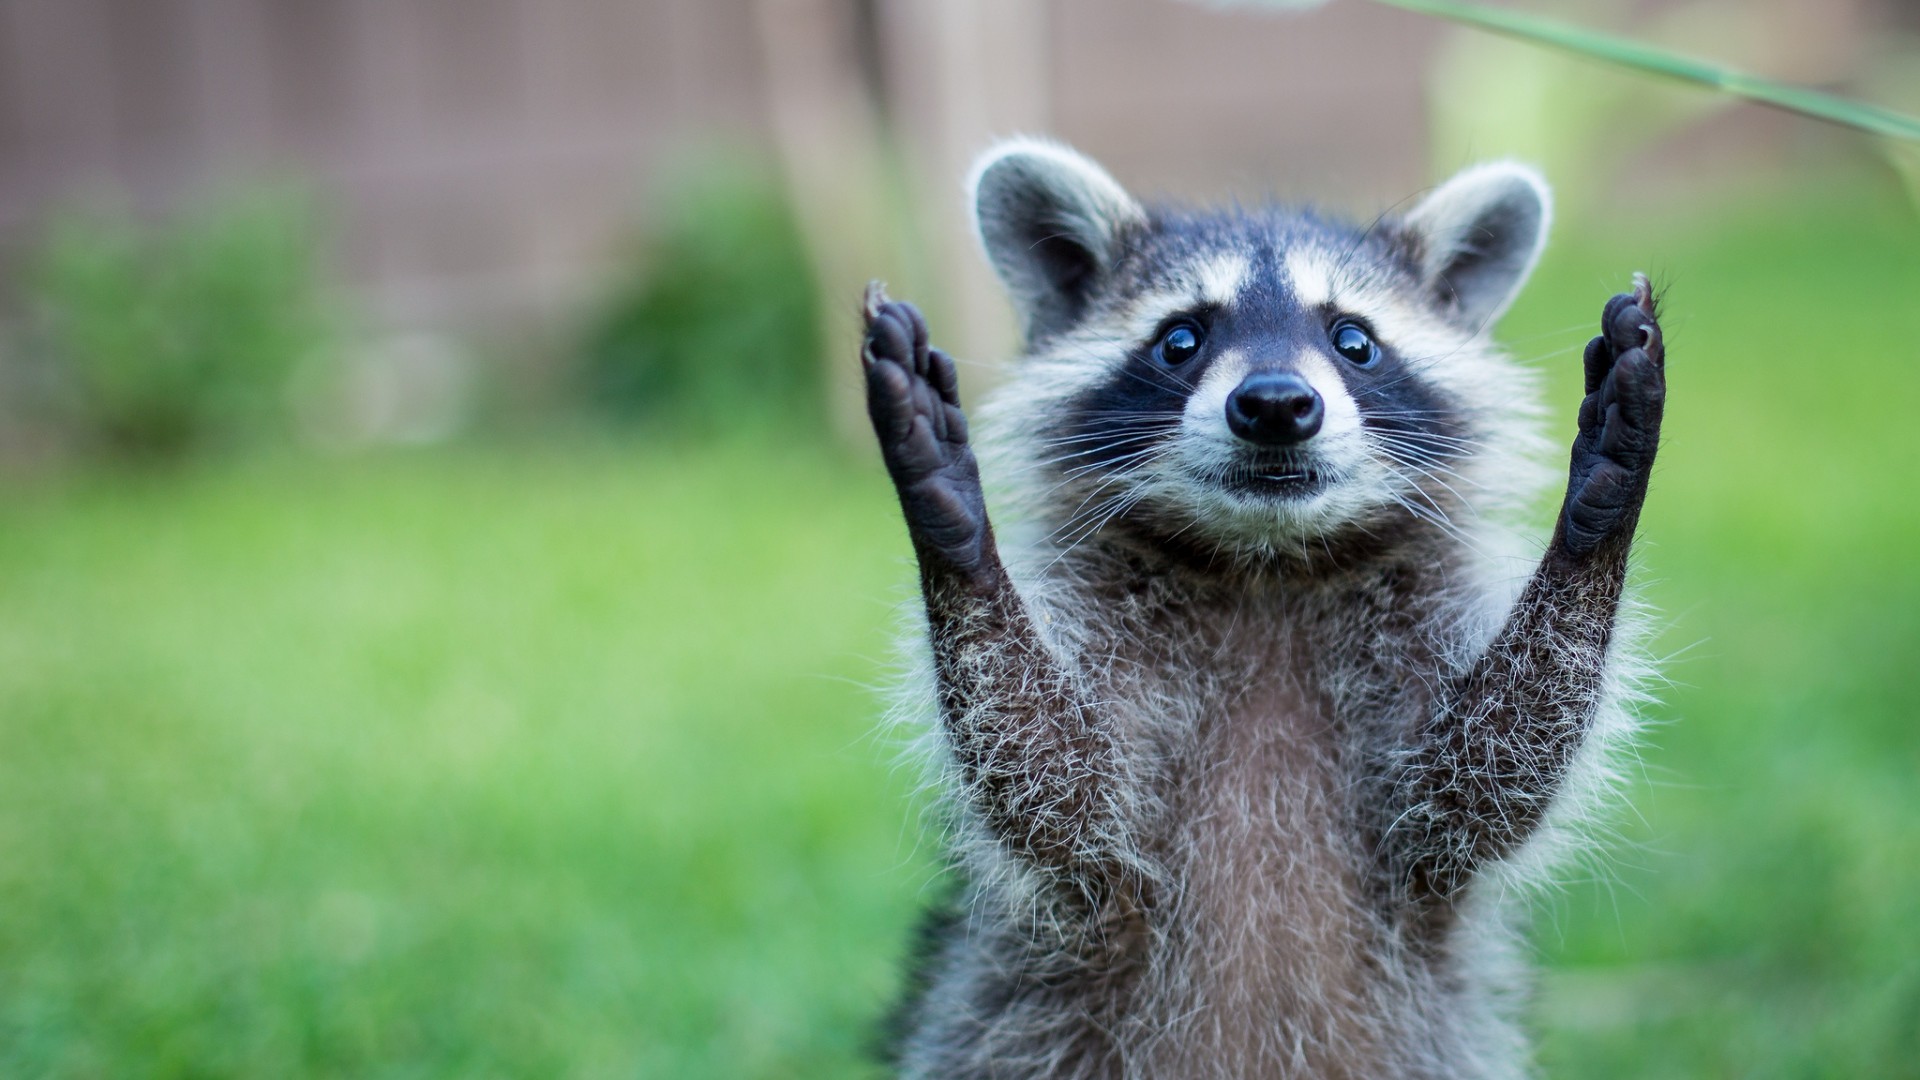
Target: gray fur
x=1243, y=786
x=1051, y=223
x=1482, y=232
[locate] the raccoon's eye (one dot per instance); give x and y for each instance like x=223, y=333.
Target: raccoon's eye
x=1352, y=341
x=1179, y=344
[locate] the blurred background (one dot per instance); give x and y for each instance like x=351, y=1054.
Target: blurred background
x=445, y=586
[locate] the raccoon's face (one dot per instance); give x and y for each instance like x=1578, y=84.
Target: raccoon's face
x=1253, y=381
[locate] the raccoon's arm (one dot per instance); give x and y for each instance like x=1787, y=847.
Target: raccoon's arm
x=1035, y=757
x=1497, y=746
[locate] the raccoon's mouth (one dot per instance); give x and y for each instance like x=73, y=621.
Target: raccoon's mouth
x=1276, y=479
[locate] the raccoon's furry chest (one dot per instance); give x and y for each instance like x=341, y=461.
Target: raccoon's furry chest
x=1262, y=708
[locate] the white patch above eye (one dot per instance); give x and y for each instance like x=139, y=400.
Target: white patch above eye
x=1221, y=278
x=1312, y=278
x=1398, y=320
x=1216, y=281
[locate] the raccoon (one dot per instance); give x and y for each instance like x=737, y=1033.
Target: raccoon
x=1253, y=719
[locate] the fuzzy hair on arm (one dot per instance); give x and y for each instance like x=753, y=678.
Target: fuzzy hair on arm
x=1490, y=758
x=1036, y=759
x=1494, y=751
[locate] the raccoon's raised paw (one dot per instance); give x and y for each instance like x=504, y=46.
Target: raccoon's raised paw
x=913, y=398
x=1619, y=421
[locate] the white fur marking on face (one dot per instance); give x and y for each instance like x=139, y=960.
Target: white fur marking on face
x=1312, y=277
x=1221, y=278
x=1399, y=322
x=1216, y=281
x=1145, y=314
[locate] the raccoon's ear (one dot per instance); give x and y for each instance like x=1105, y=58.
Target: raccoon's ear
x=1052, y=223
x=1478, y=236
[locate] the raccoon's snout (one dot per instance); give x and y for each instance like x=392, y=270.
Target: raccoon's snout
x=1275, y=409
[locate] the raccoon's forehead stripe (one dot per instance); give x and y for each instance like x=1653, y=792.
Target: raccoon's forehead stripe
x=1322, y=278
x=1221, y=278
x=1312, y=275
x=1216, y=281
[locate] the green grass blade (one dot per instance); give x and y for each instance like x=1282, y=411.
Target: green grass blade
x=1632, y=54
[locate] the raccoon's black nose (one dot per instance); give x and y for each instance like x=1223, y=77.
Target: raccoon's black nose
x=1274, y=409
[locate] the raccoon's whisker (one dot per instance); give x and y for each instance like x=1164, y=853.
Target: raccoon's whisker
x=1438, y=518
x=1117, y=462
x=1426, y=456
x=1411, y=458
x=1387, y=425
x=1119, y=466
x=1095, y=497
x=1451, y=490
x=1436, y=457
x=1399, y=413
x=1070, y=536
x=1074, y=516
x=1106, y=443
x=1369, y=411
x=1421, y=433
x=1458, y=497
x=1177, y=533
x=1116, y=426
x=1120, y=434
x=1424, y=507
x=1415, y=370
x=1116, y=507
x=1086, y=445
x=1112, y=463
x=1130, y=414
x=1417, y=469
x=1431, y=453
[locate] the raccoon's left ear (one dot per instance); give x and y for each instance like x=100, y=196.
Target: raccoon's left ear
x=1478, y=236
x=1052, y=223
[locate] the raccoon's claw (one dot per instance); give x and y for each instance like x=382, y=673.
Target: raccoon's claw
x=1619, y=421
x=913, y=398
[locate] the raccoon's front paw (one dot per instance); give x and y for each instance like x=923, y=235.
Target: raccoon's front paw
x=913, y=397
x=1619, y=422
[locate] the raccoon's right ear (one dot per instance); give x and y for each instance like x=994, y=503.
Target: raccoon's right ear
x=1477, y=238
x=1052, y=223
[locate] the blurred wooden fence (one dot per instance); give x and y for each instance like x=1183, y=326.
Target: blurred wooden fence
x=482, y=157
x=481, y=154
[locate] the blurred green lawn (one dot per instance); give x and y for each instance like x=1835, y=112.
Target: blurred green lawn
x=559, y=759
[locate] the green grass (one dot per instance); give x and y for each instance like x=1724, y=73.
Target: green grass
x=1764, y=919
x=480, y=764
x=559, y=761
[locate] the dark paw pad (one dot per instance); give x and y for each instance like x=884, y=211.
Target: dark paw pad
x=1619, y=420
x=913, y=398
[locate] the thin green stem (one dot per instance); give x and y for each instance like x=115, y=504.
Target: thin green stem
x=1632, y=54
